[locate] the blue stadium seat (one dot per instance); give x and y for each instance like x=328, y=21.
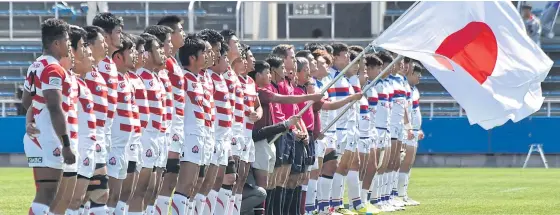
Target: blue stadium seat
x=7, y=94
x=11, y=79
x=394, y=12
x=15, y=63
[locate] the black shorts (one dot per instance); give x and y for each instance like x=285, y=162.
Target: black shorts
x=310, y=159
x=284, y=149
x=304, y=155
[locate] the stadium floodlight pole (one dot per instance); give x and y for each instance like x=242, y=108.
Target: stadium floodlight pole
x=364, y=89
x=368, y=49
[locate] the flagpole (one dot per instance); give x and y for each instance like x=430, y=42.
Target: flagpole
x=368, y=49
x=364, y=89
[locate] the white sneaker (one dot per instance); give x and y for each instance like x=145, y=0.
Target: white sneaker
x=410, y=202
x=387, y=207
x=398, y=202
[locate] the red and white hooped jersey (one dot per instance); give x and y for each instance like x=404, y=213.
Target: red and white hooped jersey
x=209, y=109
x=168, y=99
x=123, y=124
x=223, y=109
x=86, y=116
x=71, y=95
x=155, y=104
x=108, y=71
x=177, y=80
x=237, y=101
x=195, y=116
x=249, y=98
x=98, y=88
x=139, y=105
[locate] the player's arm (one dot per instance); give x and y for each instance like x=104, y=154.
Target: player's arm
x=335, y=105
x=53, y=102
x=26, y=99
x=294, y=99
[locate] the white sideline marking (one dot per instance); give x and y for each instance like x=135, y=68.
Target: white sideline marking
x=513, y=189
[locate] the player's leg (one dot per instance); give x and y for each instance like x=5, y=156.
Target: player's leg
x=276, y=189
x=265, y=157
x=86, y=168
x=368, y=184
x=311, y=195
x=127, y=188
x=293, y=192
x=65, y=191
x=325, y=181
x=98, y=189
x=136, y=202
x=384, y=181
x=188, y=174
x=172, y=169
x=117, y=170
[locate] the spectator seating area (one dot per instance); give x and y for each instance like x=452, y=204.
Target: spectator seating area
x=16, y=56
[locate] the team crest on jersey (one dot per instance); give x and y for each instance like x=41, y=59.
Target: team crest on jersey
x=231, y=86
x=175, y=138
x=149, y=153
x=122, y=85
x=126, y=98
x=107, y=67
x=110, y=81
x=86, y=162
x=195, y=149
x=56, y=152
x=179, y=82
x=88, y=107
x=194, y=85
x=94, y=74
x=113, y=161
x=98, y=88
x=198, y=98
x=151, y=83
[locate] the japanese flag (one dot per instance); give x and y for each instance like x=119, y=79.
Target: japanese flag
x=478, y=51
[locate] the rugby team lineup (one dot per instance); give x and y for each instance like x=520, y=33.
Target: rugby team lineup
x=167, y=121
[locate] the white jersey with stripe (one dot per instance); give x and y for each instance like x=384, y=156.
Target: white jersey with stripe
x=108, y=70
x=340, y=90
x=177, y=80
x=155, y=92
x=223, y=108
x=408, y=92
x=372, y=100
x=355, y=110
x=168, y=100
x=98, y=89
x=86, y=116
x=71, y=95
x=123, y=124
x=383, y=111
x=249, y=100
x=324, y=114
x=195, y=122
x=139, y=106
x=237, y=95
x=416, y=119
x=208, y=104
x=399, y=99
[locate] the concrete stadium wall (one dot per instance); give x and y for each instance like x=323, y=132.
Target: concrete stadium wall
x=449, y=142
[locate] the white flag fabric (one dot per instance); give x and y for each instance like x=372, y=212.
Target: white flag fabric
x=478, y=51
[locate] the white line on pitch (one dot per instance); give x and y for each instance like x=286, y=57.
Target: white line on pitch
x=514, y=189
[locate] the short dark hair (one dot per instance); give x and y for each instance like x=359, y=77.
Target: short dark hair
x=329, y=49
x=227, y=34
x=76, y=33
x=139, y=41
x=212, y=36
x=417, y=68
x=282, y=50
x=224, y=50
x=160, y=31
x=127, y=43
x=406, y=59
x=107, y=21
x=53, y=29
x=149, y=39
x=274, y=61
x=303, y=53
x=372, y=60
x=244, y=50
x=356, y=48
x=260, y=66
x=353, y=54
x=170, y=21
x=93, y=32
x=385, y=57
x=338, y=48
x=193, y=46
x=313, y=48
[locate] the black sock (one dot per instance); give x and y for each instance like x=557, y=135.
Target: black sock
x=278, y=194
x=288, y=200
x=298, y=202
x=269, y=202
x=295, y=200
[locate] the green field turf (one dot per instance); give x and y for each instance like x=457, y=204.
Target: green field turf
x=441, y=191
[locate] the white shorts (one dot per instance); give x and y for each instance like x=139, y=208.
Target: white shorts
x=86, y=161
x=100, y=153
x=150, y=149
x=237, y=144
x=396, y=131
x=265, y=156
x=177, y=139
x=163, y=150
x=330, y=136
x=133, y=152
x=364, y=144
x=220, y=153
x=72, y=167
x=345, y=141
x=45, y=153
x=248, y=152
x=194, y=149
x=414, y=141
x=320, y=147
x=117, y=164
x=383, y=138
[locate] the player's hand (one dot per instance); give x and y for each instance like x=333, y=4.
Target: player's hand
x=300, y=135
x=68, y=155
x=253, y=116
x=316, y=97
x=229, y=179
x=293, y=120
x=31, y=129
x=420, y=135
x=356, y=96
x=410, y=135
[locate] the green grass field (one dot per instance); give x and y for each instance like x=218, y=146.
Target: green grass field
x=441, y=191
